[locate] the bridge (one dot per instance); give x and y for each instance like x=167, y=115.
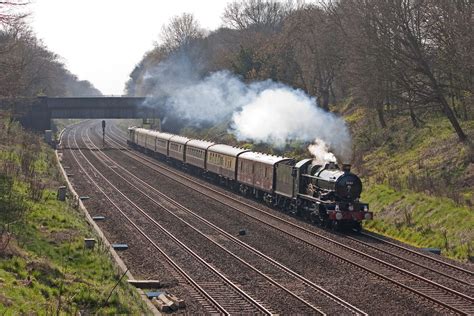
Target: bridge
x=36, y=113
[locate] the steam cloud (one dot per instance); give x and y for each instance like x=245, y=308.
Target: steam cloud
x=319, y=149
x=264, y=111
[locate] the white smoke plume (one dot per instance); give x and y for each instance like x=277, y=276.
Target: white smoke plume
x=319, y=149
x=266, y=111
x=281, y=114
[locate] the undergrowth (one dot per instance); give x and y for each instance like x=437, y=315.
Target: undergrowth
x=419, y=181
x=44, y=267
x=422, y=220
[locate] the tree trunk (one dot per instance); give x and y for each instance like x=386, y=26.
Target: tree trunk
x=325, y=99
x=464, y=109
x=333, y=95
x=470, y=150
x=413, y=117
x=381, y=115
x=448, y=111
x=442, y=100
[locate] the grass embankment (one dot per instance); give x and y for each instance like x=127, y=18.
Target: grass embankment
x=418, y=181
x=44, y=267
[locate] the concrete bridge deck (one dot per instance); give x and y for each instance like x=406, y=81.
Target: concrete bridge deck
x=36, y=113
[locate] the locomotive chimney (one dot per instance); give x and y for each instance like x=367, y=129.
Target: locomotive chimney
x=346, y=167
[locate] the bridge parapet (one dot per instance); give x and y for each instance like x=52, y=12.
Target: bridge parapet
x=36, y=113
x=96, y=107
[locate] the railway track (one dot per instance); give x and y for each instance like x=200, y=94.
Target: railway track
x=445, y=269
x=417, y=258
x=433, y=291
x=296, y=285
x=213, y=289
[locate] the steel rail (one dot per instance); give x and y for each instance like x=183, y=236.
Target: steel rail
x=314, y=234
x=222, y=276
x=425, y=256
x=169, y=259
x=411, y=251
x=316, y=287
x=406, y=259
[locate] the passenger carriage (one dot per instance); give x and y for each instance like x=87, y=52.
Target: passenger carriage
x=222, y=160
x=196, y=153
x=176, y=147
x=257, y=172
x=150, y=141
x=162, y=143
x=144, y=138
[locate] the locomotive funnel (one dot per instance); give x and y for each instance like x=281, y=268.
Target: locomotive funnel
x=346, y=167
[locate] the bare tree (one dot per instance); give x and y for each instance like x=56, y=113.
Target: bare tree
x=263, y=15
x=318, y=46
x=9, y=12
x=29, y=69
x=180, y=32
x=410, y=38
x=407, y=24
x=367, y=68
x=451, y=33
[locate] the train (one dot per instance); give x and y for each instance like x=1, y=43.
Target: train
x=323, y=194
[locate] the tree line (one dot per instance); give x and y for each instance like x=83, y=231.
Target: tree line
x=394, y=57
x=27, y=67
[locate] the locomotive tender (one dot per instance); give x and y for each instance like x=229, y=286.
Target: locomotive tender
x=322, y=194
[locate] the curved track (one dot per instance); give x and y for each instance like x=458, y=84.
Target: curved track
x=451, y=299
x=213, y=289
x=294, y=284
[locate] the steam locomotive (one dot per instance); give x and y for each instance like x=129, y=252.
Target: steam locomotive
x=327, y=195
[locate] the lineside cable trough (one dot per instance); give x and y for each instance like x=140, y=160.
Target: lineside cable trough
x=120, y=247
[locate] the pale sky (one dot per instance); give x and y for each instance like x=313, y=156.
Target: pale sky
x=102, y=40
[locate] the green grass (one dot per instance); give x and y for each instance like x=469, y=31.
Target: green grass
x=48, y=250
x=418, y=182
x=422, y=220
x=45, y=268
